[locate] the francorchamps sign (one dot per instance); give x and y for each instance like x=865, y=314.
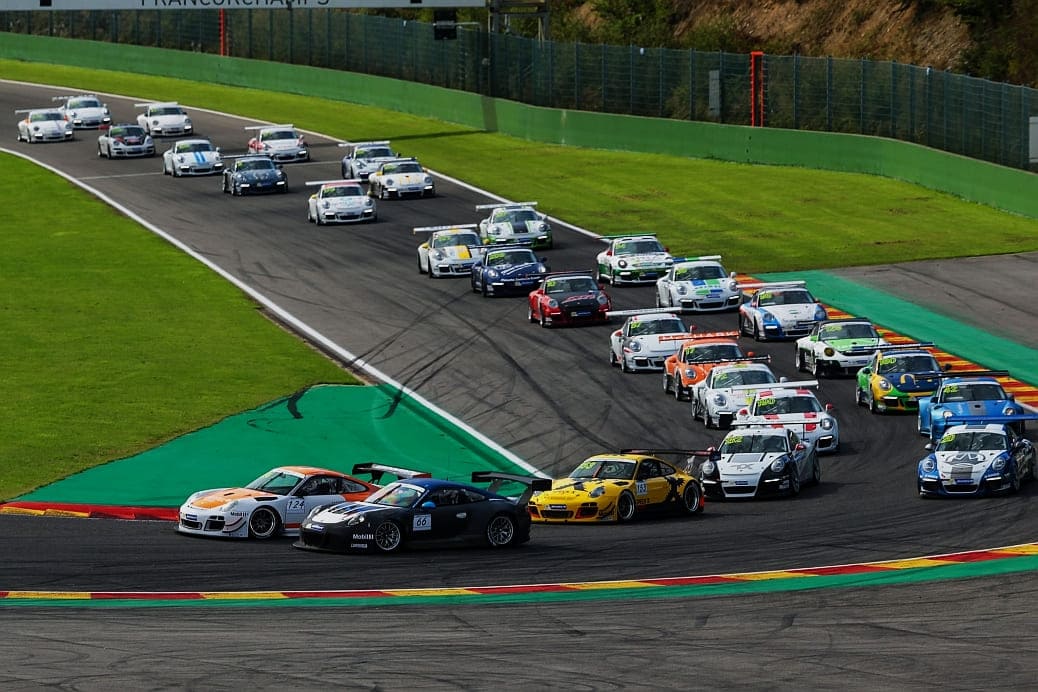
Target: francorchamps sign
x=70, y=5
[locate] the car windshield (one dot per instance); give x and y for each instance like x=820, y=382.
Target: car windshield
x=401, y=168
x=373, y=153
x=769, y=405
x=254, y=165
x=605, y=468
x=84, y=103
x=708, y=352
x=166, y=110
x=986, y=391
x=577, y=284
x=972, y=442
x=642, y=246
x=189, y=147
x=275, y=482
x=269, y=135
x=662, y=326
x=508, y=258
x=126, y=132
x=453, y=239
x=907, y=363
x=397, y=495
x=46, y=115
x=796, y=297
x=699, y=272
x=856, y=330
x=342, y=191
x=743, y=444
x=516, y=216
x=736, y=377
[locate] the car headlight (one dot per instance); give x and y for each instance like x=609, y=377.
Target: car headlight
x=778, y=465
x=541, y=269
x=597, y=492
x=428, y=181
x=689, y=372
x=998, y=464
x=708, y=468
x=883, y=384
x=682, y=289
x=1009, y=411
x=929, y=465
x=552, y=303
x=719, y=400
x=326, y=204
x=733, y=286
x=622, y=263
x=634, y=345
x=493, y=274
x=820, y=313
x=829, y=351
x=826, y=423
x=767, y=318
x=368, y=202
x=388, y=181
x=154, y=122
x=355, y=519
x=543, y=228
x=602, y=300
x=948, y=414
x=438, y=254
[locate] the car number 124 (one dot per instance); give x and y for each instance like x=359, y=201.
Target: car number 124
x=422, y=522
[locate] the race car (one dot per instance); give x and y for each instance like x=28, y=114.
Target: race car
x=620, y=487
x=164, y=119
x=191, y=157
x=696, y=355
x=780, y=311
x=727, y=388
x=568, y=298
x=507, y=269
x=44, y=125
x=698, y=284
x=973, y=459
x=632, y=259
x=760, y=462
x=124, y=141
x=84, y=111
x=280, y=142
x=450, y=250
x=274, y=504
x=339, y=201
x=837, y=347
x=516, y=223
x=794, y=406
x=425, y=511
x=254, y=174
x=363, y=158
x=976, y=394
x=400, y=177
x=897, y=377
x=637, y=346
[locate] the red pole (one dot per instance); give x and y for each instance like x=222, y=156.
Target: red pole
x=757, y=88
x=223, y=35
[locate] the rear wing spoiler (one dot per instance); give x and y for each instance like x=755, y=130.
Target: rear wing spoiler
x=701, y=258
x=158, y=103
x=748, y=359
x=378, y=470
x=649, y=311
x=758, y=286
x=803, y=384
x=262, y=127
x=497, y=479
x=992, y=420
x=910, y=346
x=713, y=454
x=314, y=183
x=705, y=335
x=499, y=205
x=433, y=229
x=975, y=373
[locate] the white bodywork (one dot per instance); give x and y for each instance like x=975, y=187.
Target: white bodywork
x=279, y=142
x=726, y=389
x=84, y=111
x=450, y=250
x=633, y=259
x=780, y=311
x=515, y=224
x=191, y=157
x=339, y=201
x=698, y=284
x=365, y=158
x=400, y=177
x=44, y=125
x=637, y=345
x=125, y=141
x=838, y=346
x=762, y=469
x=164, y=119
x=796, y=408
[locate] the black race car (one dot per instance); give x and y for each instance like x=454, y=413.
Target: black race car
x=425, y=511
x=251, y=174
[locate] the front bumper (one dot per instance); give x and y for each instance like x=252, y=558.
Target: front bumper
x=126, y=152
x=453, y=268
x=347, y=215
x=708, y=303
x=200, y=522
x=964, y=487
x=572, y=513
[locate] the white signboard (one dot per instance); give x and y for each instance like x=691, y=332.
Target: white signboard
x=68, y=5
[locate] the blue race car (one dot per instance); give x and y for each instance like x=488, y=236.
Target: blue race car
x=975, y=459
x=425, y=511
x=252, y=174
x=975, y=394
x=507, y=269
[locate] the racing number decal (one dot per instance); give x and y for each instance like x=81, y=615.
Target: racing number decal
x=641, y=488
x=295, y=504
x=422, y=522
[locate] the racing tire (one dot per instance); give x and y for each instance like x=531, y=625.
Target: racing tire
x=666, y=383
x=483, y=290
x=475, y=289
x=382, y=194
x=677, y=389
x=612, y=359
x=692, y=499
x=872, y=404
x=264, y=523
x=421, y=267
x=543, y=320
x=708, y=421
x=743, y=331
x=625, y=507
x=430, y=272
x=1014, y=484
x=794, y=480
x=816, y=473
x=624, y=368
x=756, y=332
x=318, y=220
x=801, y=361
x=500, y=531
x=659, y=303
x=388, y=536
x=529, y=314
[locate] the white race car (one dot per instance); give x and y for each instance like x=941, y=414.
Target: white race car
x=637, y=345
x=761, y=462
x=400, y=177
x=779, y=311
x=164, y=119
x=84, y=111
x=44, y=125
x=124, y=141
x=450, y=250
x=363, y=158
x=698, y=284
x=339, y=201
x=794, y=406
x=279, y=142
x=632, y=259
x=515, y=224
x=274, y=504
x=838, y=347
x=726, y=389
x=192, y=157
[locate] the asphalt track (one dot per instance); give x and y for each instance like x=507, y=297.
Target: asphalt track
x=550, y=397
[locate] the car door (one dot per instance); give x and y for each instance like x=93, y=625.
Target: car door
x=651, y=488
x=798, y=451
x=449, y=518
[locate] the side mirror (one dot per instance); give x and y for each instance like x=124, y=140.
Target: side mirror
x=800, y=447
x=946, y=367
x=750, y=354
x=829, y=408
x=783, y=379
x=427, y=505
x=866, y=370
x=928, y=446
x=731, y=275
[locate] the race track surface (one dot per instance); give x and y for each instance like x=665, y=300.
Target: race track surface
x=550, y=397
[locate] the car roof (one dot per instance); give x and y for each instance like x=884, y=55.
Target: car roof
x=622, y=456
x=742, y=366
x=999, y=428
x=758, y=432
x=781, y=392
x=311, y=471
x=651, y=316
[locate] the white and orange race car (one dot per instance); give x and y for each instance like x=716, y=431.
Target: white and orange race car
x=696, y=356
x=277, y=502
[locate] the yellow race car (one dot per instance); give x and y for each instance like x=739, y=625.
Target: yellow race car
x=619, y=487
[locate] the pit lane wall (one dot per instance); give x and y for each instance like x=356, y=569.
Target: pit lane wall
x=978, y=181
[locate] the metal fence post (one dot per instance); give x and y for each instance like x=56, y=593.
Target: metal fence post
x=893, y=98
x=829, y=93
x=692, y=84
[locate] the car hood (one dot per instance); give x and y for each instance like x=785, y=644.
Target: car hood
x=651, y=259
x=282, y=144
x=965, y=464
x=49, y=125
x=746, y=462
x=804, y=311
x=339, y=513
x=405, y=178
x=346, y=202
x=458, y=252
x=569, y=489
x=262, y=175
x=517, y=270
x=913, y=382
x=992, y=407
x=370, y=164
x=705, y=286
x=217, y=498
x=198, y=156
x=651, y=343
x=526, y=227
x=848, y=344
x=167, y=119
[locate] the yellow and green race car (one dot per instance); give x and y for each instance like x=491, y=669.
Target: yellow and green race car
x=897, y=377
x=619, y=487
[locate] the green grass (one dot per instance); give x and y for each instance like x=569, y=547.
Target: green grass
x=115, y=342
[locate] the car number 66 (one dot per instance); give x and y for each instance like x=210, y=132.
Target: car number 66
x=422, y=522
